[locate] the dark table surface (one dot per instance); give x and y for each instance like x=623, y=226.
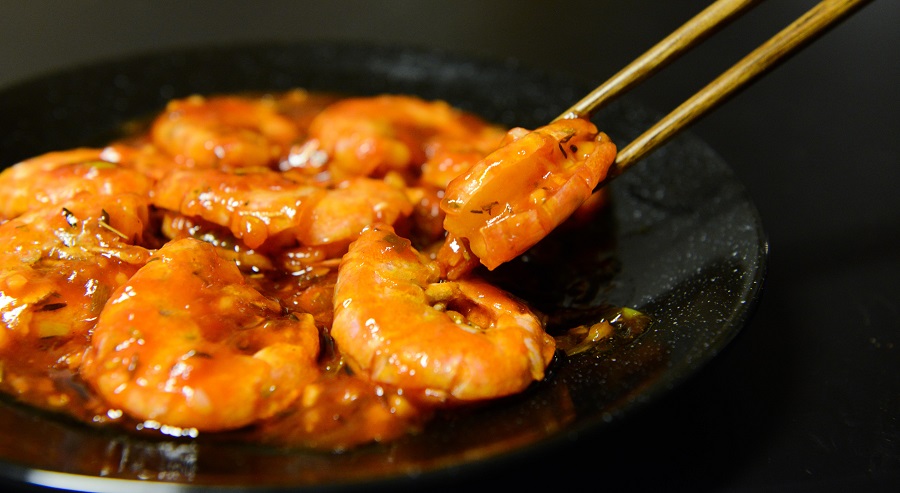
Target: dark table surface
x=807, y=398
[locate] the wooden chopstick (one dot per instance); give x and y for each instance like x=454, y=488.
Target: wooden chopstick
x=799, y=33
x=692, y=32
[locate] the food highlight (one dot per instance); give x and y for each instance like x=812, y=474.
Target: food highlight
x=288, y=261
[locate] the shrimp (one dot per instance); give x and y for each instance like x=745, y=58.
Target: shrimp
x=345, y=210
x=58, y=266
x=223, y=132
x=187, y=343
x=369, y=136
x=58, y=176
x=516, y=195
x=260, y=204
x=255, y=204
x=397, y=324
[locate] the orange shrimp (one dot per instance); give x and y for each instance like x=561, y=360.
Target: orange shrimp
x=369, y=136
x=396, y=323
x=260, y=204
x=347, y=209
x=255, y=204
x=516, y=195
x=58, y=176
x=58, y=266
x=187, y=343
x=223, y=132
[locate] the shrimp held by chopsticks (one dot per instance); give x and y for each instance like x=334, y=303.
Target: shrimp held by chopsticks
x=515, y=196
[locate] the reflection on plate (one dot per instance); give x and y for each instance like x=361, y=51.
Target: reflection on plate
x=681, y=243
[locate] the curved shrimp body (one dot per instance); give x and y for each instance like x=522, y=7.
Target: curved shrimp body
x=223, y=132
x=369, y=136
x=352, y=205
x=58, y=266
x=260, y=204
x=519, y=193
x=395, y=322
x=58, y=176
x=187, y=343
x=255, y=204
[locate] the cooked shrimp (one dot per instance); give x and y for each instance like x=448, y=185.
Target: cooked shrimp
x=519, y=193
x=58, y=176
x=396, y=323
x=58, y=266
x=347, y=209
x=223, y=132
x=369, y=136
x=260, y=204
x=187, y=343
x=255, y=204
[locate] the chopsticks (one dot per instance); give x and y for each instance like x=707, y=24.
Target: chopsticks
x=799, y=33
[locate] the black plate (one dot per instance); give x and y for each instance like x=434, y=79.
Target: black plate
x=681, y=243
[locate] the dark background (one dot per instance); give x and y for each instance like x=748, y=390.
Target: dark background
x=807, y=398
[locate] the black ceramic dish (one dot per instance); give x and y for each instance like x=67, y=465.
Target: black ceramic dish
x=682, y=243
